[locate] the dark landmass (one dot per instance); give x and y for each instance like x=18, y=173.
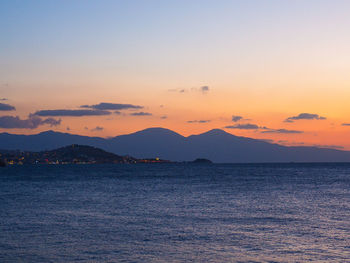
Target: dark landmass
x=215, y=145
x=73, y=154
x=153, y=160
x=202, y=160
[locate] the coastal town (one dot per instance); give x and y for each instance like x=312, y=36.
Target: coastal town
x=73, y=154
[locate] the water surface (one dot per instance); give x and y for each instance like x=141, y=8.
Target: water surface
x=175, y=213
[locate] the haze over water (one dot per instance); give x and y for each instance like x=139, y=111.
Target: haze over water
x=175, y=213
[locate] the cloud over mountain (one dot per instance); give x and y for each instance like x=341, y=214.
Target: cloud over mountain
x=331, y=146
x=71, y=113
x=305, y=116
x=33, y=122
x=6, y=107
x=262, y=129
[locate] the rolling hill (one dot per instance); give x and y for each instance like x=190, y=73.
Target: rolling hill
x=216, y=145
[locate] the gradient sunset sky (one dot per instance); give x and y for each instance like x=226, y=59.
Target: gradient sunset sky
x=273, y=70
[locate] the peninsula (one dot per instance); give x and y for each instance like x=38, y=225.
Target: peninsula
x=72, y=154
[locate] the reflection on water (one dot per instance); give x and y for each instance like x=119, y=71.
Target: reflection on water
x=175, y=213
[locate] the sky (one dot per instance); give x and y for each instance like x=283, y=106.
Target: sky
x=271, y=70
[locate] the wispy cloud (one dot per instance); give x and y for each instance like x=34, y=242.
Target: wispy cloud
x=3, y=99
x=71, y=113
x=163, y=117
x=283, y=131
x=247, y=126
x=328, y=146
x=236, y=118
x=345, y=124
x=33, y=122
x=6, y=107
x=173, y=90
x=261, y=129
x=331, y=146
x=204, y=89
x=178, y=90
x=198, y=121
x=97, y=128
x=141, y=114
x=111, y=106
x=305, y=116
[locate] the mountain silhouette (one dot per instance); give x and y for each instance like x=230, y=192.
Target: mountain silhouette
x=216, y=145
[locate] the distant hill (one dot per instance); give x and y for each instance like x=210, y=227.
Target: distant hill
x=68, y=154
x=215, y=145
x=83, y=153
x=48, y=140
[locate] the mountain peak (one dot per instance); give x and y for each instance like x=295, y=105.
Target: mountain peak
x=157, y=131
x=48, y=132
x=216, y=132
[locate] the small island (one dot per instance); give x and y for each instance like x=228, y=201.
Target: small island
x=202, y=160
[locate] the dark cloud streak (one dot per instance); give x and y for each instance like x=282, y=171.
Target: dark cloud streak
x=198, y=121
x=236, y=118
x=98, y=128
x=282, y=131
x=262, y=129
x=247, y=126
x=141, y=114
x=33, y=122
x=305, y=116
x=111, y=106
x=6, y=107
x=71, y=113
x=204, y=89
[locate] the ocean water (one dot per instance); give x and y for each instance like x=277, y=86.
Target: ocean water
x=175, y=213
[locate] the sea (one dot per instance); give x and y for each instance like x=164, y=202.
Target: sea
x=175, y=213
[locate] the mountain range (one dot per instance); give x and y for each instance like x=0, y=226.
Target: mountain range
x=216, y=145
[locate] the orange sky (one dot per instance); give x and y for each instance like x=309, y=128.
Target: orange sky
x=264, y=60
